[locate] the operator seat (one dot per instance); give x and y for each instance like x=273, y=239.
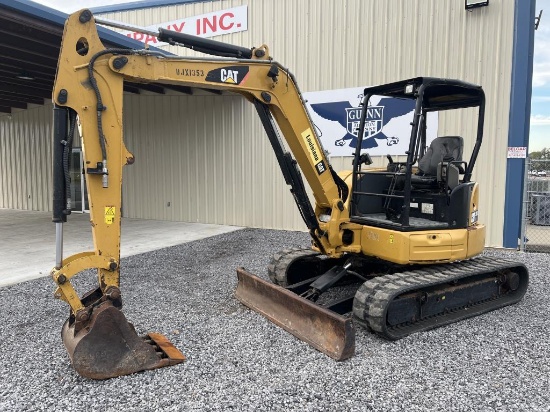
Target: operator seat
x=442, y=149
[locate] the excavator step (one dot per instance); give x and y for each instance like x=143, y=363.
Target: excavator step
x=325, y=330
x=108, y=346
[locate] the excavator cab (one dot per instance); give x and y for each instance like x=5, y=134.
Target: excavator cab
x=432, y=188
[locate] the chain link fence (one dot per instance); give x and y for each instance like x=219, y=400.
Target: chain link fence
x=536, y=207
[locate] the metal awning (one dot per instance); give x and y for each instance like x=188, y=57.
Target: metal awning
x=30, y=39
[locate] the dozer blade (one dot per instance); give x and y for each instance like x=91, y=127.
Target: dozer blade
x=109, y=346
x=327, y=331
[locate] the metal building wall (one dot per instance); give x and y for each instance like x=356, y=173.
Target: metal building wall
x=26, y=159
x=195, y=164
x=327, y=44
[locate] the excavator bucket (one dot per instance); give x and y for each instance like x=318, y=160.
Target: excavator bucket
x=109, y=346
x=326, y=331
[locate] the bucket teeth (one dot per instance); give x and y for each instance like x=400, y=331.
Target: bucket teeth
x=109, y=346
x=168, y=352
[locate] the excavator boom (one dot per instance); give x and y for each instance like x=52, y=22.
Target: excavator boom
x=89, y=89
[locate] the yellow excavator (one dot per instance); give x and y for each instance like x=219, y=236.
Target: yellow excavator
x=401, y=242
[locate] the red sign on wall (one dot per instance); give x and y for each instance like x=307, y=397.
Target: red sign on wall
x=204, y=25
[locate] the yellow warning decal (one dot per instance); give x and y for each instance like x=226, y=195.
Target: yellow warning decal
x=314, y=151
x=110, y=213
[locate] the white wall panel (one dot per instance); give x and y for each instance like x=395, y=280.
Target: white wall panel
x=194, y=163
x=327, y=44
x=26, y=159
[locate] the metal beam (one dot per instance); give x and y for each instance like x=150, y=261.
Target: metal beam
x=12, y=103
x=25, y=99
x=11, y=72
x=213, y=91
x=24, y=44
x=147, y=86
x=131, y=89
x=38, y=84
x=28, y=32
x=19, y=55
x=181, y=89
x=30, y=65
x=25, y=90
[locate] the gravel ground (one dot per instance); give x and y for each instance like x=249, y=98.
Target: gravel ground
x=239, y=361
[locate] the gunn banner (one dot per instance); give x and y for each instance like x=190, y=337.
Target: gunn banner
x=336, y=115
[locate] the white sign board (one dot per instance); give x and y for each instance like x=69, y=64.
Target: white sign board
x=336, y=115
x=517, y=152
x=204, y=25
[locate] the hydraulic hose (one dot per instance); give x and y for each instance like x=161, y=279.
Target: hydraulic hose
x=68, y=145
x=100, y=108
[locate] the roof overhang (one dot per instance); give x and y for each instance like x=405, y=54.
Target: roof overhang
x=30, y=39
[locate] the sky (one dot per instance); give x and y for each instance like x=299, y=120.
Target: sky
x=540, y=103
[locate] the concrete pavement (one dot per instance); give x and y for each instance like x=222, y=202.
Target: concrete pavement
x=27, y=240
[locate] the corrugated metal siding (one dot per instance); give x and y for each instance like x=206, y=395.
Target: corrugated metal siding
x=193, y=163
x=327, y=44
x=26, y=159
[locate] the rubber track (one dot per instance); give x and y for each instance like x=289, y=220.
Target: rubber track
x=277, y=269
x=374, y=296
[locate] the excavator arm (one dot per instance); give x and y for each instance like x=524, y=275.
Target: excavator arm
x=89, y=90
x=90, y=81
